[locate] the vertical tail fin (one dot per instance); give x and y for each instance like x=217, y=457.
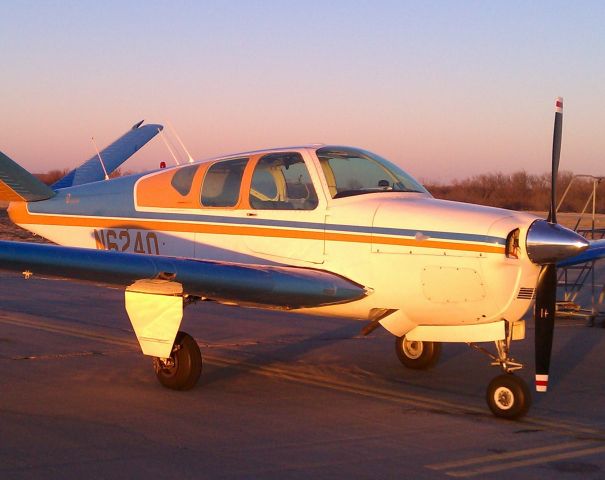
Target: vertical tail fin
x=17, y=184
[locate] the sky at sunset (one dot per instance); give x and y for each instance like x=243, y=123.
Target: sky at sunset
x=445, y=89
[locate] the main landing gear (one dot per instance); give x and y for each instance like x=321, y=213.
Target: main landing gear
x=417, y=354
x=182, y=369
x=507, y=395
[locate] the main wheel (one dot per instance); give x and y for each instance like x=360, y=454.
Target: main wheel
x=182, y=370
x=508, y=396
x=417, y=354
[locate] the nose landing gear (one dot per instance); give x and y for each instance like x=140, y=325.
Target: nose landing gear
x=507, y=395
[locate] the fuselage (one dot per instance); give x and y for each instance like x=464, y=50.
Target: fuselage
x=332, y=208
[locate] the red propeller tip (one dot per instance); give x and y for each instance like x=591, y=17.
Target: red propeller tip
x=541, y=383
x=559, y=105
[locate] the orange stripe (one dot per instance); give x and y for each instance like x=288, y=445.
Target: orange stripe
x=439, y=244
x=21, y=215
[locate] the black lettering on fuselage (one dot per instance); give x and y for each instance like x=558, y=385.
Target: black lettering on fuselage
x=123, y=241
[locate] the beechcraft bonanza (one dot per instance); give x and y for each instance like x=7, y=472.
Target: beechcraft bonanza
x=329, y=230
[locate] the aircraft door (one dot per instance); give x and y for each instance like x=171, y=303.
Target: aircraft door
x=284, y=213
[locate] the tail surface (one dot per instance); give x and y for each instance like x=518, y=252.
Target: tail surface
x=17, y=184
x=111, y=157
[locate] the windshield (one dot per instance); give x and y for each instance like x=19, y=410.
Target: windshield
x=351, y=171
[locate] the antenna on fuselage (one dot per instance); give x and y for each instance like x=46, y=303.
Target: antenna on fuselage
x=100, y=159
x=180, y=141
x=168, y=147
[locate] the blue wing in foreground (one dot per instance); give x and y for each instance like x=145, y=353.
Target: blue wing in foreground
x=595, y=251
x=113, y=156
x=267, y=286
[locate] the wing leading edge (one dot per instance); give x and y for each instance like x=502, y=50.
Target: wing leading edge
x=266, y=286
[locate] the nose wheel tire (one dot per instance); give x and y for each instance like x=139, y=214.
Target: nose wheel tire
x=508, y=396
x=182, y=369
x=417, y=354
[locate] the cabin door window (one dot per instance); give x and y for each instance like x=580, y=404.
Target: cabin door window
x=283, y=202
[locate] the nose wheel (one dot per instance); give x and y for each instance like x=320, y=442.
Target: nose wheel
x=508, y=396
x=182, y=369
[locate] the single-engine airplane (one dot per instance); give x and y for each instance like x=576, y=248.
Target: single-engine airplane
x=322, y=229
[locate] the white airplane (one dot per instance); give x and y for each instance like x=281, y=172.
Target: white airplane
x=318, y=229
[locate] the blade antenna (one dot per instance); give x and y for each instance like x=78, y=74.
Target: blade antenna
x=180, y=142
x=100, y=159
x=168, y=147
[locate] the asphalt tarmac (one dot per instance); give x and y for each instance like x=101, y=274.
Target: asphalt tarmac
x=281, y=396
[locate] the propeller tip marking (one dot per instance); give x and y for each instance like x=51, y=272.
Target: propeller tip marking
x=541, y=383
x=559, y=105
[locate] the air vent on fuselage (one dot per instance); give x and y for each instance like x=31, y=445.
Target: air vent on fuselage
x=526, y=293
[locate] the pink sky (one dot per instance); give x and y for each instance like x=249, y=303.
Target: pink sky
x=444, y=89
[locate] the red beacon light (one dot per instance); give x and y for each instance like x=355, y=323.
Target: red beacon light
x=162, y=164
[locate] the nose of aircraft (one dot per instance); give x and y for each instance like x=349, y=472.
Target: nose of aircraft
x=550, y=242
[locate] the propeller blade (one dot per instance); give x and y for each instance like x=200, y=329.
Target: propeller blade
x=556, y=155
x=544, y=314
x=546, y=294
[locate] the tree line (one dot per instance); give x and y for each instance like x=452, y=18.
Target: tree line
x=522, y=191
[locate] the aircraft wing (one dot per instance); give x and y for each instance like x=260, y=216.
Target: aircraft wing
x=595, y=251
x=113, y=156
x=268, y=286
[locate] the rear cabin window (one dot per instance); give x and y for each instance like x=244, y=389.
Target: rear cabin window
x=183, y=179
x=222, y=183
x=281, y=181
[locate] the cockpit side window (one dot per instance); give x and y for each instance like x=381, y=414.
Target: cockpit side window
x=281, y=181
x=222, y=183
x=351, y=171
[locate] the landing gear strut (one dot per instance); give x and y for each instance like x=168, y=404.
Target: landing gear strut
x=182, y=369
x=507, y=395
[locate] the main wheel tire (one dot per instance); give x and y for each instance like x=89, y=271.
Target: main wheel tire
x=417, y=354
x=508, y=396
x=185, y=366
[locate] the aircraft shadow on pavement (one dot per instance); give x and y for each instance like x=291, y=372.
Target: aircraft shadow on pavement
x=287, y=353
